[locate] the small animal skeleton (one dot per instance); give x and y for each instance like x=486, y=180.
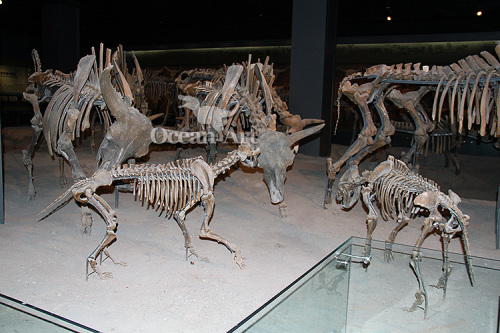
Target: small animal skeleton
x=400, y=191
x=173, y=188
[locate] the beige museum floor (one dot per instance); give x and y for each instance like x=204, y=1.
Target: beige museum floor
x=43, y=263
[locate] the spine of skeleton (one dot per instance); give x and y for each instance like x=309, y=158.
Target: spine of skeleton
x=225, y=164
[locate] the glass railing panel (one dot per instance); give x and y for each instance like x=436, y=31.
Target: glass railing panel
x=381, y=294
x=315, y=302
x=350, y=292
x=17, y=316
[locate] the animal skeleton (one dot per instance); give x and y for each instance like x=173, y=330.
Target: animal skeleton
x=471, y=87
x=172, y=187
x=442, y=140
x=68, y=114
x=191, y=82
x=160, y=93
x=400, y=191
x=132, y=132
x=246, y=91
x=71, y=98
x=57, y=89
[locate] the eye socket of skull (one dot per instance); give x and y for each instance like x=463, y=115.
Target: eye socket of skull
x=455, y=219
x=347, y=194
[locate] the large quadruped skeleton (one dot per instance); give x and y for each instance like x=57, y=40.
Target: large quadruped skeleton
x=74, y=101
x=72, y=98
x=400, y=191
x=469, y=87
x=244, y=94
x=173, y=188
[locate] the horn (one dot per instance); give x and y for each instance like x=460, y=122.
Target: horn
x=113, y=100
x=122, y=81
x=308, y=121
x=292, y=138
x=468, y=259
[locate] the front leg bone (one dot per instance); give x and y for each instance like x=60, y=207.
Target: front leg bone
x=359, y=94
x=371, y=219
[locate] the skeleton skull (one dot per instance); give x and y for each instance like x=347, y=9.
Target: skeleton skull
x=276, y=154
x=458, y=221
x=349, y=187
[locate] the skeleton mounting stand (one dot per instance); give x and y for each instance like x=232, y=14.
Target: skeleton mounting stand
x=351, y=258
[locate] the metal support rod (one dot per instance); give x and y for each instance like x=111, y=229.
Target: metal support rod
x=497, y=229
x=116, y=197
x=2, y=203
x=359, y=259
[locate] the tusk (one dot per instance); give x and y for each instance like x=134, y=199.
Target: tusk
x=468, y=259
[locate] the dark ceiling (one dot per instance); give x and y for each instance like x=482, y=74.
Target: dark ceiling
x=158, y=24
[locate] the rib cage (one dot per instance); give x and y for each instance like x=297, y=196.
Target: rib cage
x=170, y=187
x=156, y=86
x=396, y=190
x=470, y=85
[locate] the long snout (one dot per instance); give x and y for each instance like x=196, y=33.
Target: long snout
x=276, y=187
x=276, y=195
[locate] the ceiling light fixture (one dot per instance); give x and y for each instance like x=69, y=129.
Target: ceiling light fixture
x=479, y=13
x=389, y=18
